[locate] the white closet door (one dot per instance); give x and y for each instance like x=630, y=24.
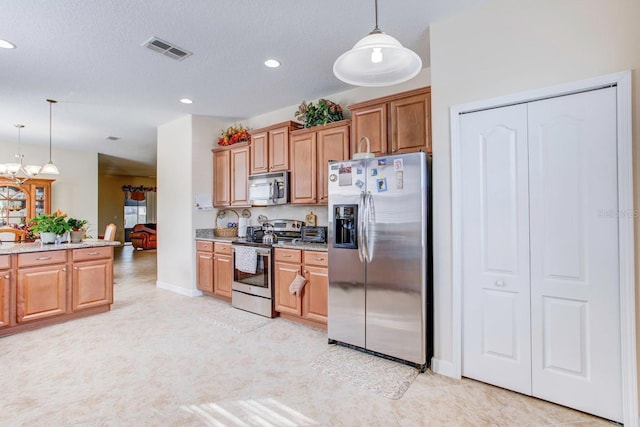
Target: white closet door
x=575, y=321
x=495, y=213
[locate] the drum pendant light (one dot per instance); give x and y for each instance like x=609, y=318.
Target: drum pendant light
x=377, y=60
x=50, y=168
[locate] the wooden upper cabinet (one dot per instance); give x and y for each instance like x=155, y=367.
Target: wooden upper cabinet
x=239, y=176
x=259, y=152
x=230, y=175
x=395, y=124
x=221, y=177
x=333, y=144
x=303, y=168
x=19, y=203
x=411, y=123
x=372, y=123
x=270, y=147
x=311, y=149
x=279, y=149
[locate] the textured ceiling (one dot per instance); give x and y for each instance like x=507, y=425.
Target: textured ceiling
x=87, y=54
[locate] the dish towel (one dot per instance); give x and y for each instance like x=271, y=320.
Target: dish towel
x=246, y=259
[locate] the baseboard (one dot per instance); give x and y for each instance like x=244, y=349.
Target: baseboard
x=178, y=289
x=443, y=367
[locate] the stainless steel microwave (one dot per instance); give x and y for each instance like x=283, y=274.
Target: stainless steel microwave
x=268, y=189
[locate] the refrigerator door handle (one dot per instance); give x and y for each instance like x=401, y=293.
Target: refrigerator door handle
x=370, y=217
x=360, y=225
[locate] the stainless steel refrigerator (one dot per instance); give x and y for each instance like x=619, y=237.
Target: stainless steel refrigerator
x=380, y=287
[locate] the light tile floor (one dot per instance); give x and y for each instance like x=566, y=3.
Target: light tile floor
x=161, y=359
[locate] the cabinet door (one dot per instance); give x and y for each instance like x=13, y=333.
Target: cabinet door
x=92, y=284
x=239, y=174
x=410, y=124
x=259, y=153
x=221, y=184
x=204, y=279
x=41, y=292
x=372, y=123
x=284, y=273
x=223, y=275
x=303, y=168
x=315, y=294
x=333, y=144
x=5, y=282
x=279, y=149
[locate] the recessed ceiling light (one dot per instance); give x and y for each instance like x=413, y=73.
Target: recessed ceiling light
x=7, y=44
x=272, y=63
x=186, y=101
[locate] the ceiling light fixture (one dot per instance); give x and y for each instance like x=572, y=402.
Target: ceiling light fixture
x=6, y=44
x=272, y=63
x=377, y=60
x=50, y=168
x=186, y=101
x=17, y=171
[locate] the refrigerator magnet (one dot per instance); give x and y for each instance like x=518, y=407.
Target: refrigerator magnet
x=344, y=175
x=374, y=172
x=359, y=170
x=382, y=162
x=399, y=180
x=398, y=165
x=360, y=183
x=381, y=184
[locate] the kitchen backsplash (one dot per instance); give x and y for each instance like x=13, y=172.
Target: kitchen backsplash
x=277, y=212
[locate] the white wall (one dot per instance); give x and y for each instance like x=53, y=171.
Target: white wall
x=507, y=46
x=184, y=169
x=75, y=190
x=175, y=257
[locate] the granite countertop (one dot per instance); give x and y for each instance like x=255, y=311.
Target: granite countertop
x=208, y=235
x=16, y=248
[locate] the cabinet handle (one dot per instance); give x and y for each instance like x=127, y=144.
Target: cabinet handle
x=286, y=256
x=64, y=268
x=43, y=258
x=319, y=259
x=75, y=268
x=306, y=272
x=93, y=253
x=500, y=283
x=8, y=276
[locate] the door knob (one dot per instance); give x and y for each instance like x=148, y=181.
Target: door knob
x=500, y=283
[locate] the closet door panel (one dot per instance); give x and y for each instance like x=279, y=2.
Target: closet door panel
x=574, y=252
x=496, y=340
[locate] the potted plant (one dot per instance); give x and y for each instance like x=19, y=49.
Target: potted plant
x=77, y=229
x=50, y=226
x=313, y=115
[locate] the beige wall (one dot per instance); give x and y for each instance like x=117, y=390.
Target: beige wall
x=509, y=46
x=111, y=201
x=74, y=191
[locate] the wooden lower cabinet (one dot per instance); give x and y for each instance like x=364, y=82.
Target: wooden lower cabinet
x=222, y=269
x=41, y=292
x=92, y=278
x=5, y=291
x=214, y=263
x=311, y=305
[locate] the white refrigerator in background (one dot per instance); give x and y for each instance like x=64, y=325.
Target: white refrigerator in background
x=380, y=287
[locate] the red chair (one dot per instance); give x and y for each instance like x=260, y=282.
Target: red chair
x=143, y=236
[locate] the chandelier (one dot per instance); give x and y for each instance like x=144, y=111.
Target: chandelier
x=20, y=173
x=377, y=60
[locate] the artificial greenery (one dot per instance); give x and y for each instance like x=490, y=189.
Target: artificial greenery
x=54, y=223
x=324, y=112
x=76, y=224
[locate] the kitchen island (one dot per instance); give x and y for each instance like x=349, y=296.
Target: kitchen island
x=45, y=284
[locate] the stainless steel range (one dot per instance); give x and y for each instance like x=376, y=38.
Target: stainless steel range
x=252, y=287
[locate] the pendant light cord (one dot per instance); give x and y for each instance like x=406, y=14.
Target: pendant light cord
x=50, y=101
x=376, y=29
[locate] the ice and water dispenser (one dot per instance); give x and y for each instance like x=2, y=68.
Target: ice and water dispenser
x=346, y=226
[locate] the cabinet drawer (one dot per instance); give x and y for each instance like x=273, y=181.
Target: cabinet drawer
x=42, y=258
x=204, y=246
x=92, y=253
x=223, y=248
x=5, y=261
x=288, y=255
x=316, y=258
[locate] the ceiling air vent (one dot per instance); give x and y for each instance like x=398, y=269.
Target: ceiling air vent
x=166, y=48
